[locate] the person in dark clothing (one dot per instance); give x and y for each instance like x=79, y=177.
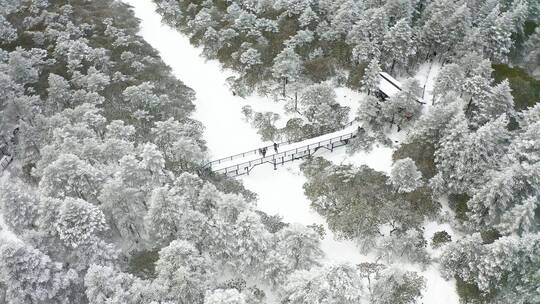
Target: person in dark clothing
x=264, y=152
x=275, y=147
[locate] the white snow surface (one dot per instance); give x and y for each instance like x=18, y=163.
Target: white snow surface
x=426, y=75
x=388, y=85
x=227, y=133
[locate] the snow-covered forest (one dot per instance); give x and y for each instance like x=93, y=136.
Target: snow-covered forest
x=111, y=110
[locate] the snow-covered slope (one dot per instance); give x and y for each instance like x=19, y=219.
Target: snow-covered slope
x=280, y=191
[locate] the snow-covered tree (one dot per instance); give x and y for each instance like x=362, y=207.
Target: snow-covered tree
x=531, y=51
x=24, y=65
x=369, y=113
x=318, y=104
x=225, y=296
x=408, y=244
x=521, y=218
x=495, y=31
x=399, y=44
x=183, y=274
x=394, y=285
x=405, y=176
x=498, y=102
x=251, y=57
x=30, y=276
x=93, y=81
x=295, y=248
x=482, y=151
x=287, y=67
x=449, y=79
x=19, y=205
x=431, y=126
x=505, y=188
x=332, y=284
x=69, y=176
x=170, y=216
x=176, y=142
x=505, y=269
x=105, y=285
x=59, y=94
x=242, y=244
x=450, y=148
x=7, y=32
x=370, y=82
x=78, y=222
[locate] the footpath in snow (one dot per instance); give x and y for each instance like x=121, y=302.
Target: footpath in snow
x=227, y=133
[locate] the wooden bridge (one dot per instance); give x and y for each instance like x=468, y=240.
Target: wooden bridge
x=243, y=163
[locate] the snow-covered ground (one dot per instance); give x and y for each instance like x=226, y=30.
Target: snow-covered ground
x=227, y=133
x=426, y=75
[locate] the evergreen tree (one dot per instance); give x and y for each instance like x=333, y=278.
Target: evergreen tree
x=319, y=106
x=105, y=285
x=404, y=176
x=521, y=218
x=399, y=44
x=287, y=67
x=397, y=286
x=19, y=205
x=370, y=82
x=332, y=284
x=499, y=102
x=31, y=277
x=183, y=274
x=78, y=221
x=295, y=248
x=227, y=296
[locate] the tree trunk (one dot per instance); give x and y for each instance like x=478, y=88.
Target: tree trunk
x=468, y=106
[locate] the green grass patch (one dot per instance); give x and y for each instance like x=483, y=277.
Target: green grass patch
x=525, y=88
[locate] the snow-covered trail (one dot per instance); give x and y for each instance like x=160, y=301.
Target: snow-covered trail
x=226, y=131
x=280, y=191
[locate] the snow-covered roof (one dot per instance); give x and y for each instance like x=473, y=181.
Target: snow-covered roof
x=388, y=84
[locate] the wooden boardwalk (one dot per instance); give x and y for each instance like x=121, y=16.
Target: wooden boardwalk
x=243, y=163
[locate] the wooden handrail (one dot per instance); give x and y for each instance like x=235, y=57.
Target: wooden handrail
x=255, y=151
x=299, y=150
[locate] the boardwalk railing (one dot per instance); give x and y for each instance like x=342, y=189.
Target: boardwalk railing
x=4, y=162
x=286, y=156
x=256, y=151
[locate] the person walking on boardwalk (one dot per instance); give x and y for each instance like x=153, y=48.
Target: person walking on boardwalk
x=275, y=147
x=264, y=152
